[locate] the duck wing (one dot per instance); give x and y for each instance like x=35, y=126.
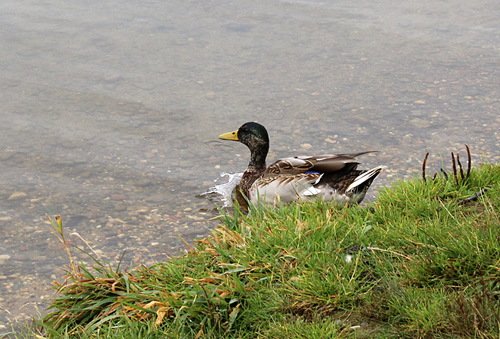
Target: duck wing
x=284, y=188
x=326, y=163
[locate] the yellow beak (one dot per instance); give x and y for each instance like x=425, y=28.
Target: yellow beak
x=230, y=136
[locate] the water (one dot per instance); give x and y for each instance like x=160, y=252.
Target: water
x=223, y=190
x=110, y=111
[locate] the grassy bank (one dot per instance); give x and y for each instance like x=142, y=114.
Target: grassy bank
x=420, y=261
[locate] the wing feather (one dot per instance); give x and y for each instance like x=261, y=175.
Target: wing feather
x=325, y=163
x=284, y=188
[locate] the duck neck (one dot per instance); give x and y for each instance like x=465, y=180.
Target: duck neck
x=258, y=158
x=256, y=167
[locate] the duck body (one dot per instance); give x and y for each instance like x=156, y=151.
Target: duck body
x=329, y=177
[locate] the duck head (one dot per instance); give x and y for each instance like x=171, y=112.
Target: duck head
x=255, y=137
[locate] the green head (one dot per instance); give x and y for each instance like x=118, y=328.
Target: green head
x=255, y=137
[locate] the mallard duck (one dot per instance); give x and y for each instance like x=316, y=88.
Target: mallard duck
x=328, y=177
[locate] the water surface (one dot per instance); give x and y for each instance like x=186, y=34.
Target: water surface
x=110, y=111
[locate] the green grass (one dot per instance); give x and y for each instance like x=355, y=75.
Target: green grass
x=414, y=263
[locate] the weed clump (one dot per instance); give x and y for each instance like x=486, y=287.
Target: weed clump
x=418, y=262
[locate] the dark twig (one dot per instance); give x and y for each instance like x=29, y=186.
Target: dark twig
x=457, y=167
x=460, y=167
x=454, y=164
x=424, y=163
x=474, y=197
x=469, y=161
x=444, y=174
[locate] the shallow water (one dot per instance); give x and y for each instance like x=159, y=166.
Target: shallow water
x=110, y=111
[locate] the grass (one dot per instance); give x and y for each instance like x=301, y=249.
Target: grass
x=415, y=263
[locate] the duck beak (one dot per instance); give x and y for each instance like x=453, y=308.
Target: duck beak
x=230, y=136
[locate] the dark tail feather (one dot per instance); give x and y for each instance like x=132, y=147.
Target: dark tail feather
x=354, y=155
x=364, y=180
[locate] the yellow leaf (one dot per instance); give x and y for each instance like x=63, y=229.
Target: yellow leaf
x=161, y=313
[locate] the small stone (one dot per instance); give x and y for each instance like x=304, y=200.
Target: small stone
x=155, y=218
x=306, y=146
x=420, y=123
x=4, y=257
x=17, y=195
x=5, y=218
x=419, y=102
x=195, y=218
x=142, y=210
x=118, y=197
